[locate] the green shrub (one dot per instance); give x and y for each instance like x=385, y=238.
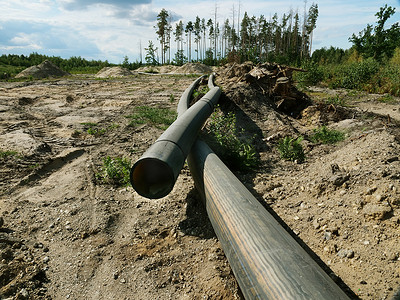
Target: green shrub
x=115, y=171
x=291, y=149
x=159, y=117
x=229, y=143
x=356, y=75
x=314, y=74
x=327, y=136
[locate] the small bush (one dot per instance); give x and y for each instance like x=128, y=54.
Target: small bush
x=229, y=143
x=327, y=136
x=159, y=117
x=291, y=149
x=115, y=171
x=314, y=74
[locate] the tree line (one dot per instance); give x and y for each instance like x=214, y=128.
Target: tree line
x=287, y=39
x=11, y=64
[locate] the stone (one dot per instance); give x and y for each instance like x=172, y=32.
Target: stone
x=345, y=253
x=376, y=211
x=339, y=179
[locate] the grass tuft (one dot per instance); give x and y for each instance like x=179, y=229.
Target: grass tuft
x=327, y=136
x=229, y=143
x=159, y=117
x=115, y=171
x=291, y=149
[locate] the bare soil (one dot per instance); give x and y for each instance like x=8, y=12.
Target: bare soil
x=64, y=235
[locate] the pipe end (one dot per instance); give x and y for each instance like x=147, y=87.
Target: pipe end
x=152, y=178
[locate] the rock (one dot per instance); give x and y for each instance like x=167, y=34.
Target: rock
x=339, y=179
x=376, y=211
x=371, y=190
x=327, y=235
x=345, y=253
x=1, y=222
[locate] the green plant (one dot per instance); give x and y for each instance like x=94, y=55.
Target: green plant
x=171, y=98
x=115, y=171
x=229, y=143
x=159, y=117
x=291, y=149
x=200, y=92
x=327, y=136
x=387, y=99
x=7, y=153
x=336, y=100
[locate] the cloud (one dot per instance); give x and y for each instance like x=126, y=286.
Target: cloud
x=83, y=4
x=141, y=15
x=24, y=37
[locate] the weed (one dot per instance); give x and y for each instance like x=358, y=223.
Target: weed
x=291, y=149
x=200, y=92
x=236, y=152
x=387, y=99
x=7, y=154
x=113, y=126
x=171, y=98
x=115, y=171
x=336, y=101
x=159, y=117
x=96, y=131
x=327, y=136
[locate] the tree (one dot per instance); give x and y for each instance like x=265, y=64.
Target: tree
x=197, y=35
x=311, y=24
x=188, y=30
x=151, y=53
x=378, y=42
x=125, y=63
x=162, y=32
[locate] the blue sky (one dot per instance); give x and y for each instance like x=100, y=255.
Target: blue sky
x=111, y=29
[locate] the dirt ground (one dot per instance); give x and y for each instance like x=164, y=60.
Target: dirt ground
x=63, y=235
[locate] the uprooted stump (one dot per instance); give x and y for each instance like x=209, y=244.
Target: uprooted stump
x=261, y=86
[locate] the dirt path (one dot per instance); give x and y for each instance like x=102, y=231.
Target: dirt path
x=65, y=236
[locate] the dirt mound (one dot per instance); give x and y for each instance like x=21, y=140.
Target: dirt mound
x=113, y=72
x=258, y=86
x=44, y=70
x=157, y=69
x=193, y=68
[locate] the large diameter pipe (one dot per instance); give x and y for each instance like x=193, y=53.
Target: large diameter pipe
x=154, y=174
x=267, y=261
x=183, y=103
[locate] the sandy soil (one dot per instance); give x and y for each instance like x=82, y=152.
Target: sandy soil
x=63, y=235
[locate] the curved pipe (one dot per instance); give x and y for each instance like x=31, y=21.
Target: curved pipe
x=154, y=174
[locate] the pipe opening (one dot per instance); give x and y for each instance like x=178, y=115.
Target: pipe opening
x=152, y=178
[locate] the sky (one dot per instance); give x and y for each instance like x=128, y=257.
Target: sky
x=112, y=29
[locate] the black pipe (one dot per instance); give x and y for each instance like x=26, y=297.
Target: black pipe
x=154, y=174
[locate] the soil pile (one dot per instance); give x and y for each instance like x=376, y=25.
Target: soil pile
x=107, y=72
x=257, y=86
x=193, y=68
x=44, y=70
